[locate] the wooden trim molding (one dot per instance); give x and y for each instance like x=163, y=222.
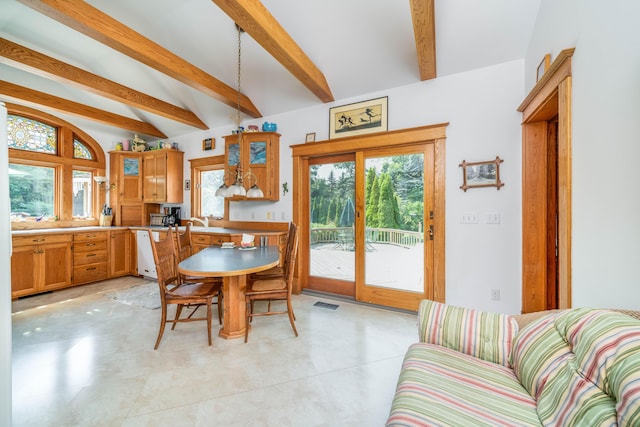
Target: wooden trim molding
x=548, y=101
x=559, y=70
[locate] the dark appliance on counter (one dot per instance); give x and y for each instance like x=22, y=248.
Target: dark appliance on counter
x=171, y=217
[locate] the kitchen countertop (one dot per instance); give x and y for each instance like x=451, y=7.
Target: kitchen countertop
x=194, y=229
x=63, y=230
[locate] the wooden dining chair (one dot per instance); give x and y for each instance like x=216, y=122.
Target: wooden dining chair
x=184, y=249
x=278, y=272
x=273, y=289
x=174, y=291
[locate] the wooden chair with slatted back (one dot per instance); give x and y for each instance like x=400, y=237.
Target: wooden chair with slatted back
x=184, y=249
x=273, y=289
x=278, y=272
x=173, y=291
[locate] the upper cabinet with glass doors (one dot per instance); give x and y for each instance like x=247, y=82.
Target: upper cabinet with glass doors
x=254, y=158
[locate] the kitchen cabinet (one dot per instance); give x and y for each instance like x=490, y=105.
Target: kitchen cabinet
x=119, y=252
x=258, y=153
x=125, y=171
x=90, y=257
x=40, y=263
x=142, y=181
x=162, y=176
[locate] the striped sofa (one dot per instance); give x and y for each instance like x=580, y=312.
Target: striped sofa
x=578, y=367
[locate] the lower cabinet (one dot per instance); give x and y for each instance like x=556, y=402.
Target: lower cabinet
x=40, y=263
x=90, y=257
x=120, y=253
x=200, y=241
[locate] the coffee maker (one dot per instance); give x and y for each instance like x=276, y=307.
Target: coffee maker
x=171, y=217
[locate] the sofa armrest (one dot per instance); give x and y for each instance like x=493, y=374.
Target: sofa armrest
x=484, y=335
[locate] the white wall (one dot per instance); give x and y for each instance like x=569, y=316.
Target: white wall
x=481, y=109
x=606, y=143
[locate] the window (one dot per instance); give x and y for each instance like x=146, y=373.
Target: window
x=82, y=194
x=207, y=174
x=51, y=168
x=210, y=204
x=31, y=135
x=31, y=189
x=80, y=151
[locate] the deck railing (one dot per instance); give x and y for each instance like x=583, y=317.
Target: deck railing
x=344, y=235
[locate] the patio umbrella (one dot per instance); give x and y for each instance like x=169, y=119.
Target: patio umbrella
x=347, y=217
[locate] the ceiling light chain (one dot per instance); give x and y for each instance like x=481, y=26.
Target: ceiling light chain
x=237, y=188
x=240, y=31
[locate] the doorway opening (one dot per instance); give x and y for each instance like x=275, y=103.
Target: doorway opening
x=546, y=190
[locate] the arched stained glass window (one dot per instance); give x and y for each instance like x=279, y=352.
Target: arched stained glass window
x=80, y=151
x=31, y=135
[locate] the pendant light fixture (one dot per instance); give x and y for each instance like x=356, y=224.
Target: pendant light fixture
x=237, y=188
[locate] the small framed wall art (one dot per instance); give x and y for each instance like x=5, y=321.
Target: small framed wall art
x=358, y=118
x=481, y=174
x=208, y=144
x=543, y=66
x=311, y=137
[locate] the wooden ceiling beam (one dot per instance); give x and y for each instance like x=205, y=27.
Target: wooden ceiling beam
x=21, y=94
x=42, y=65
x=424, y=29
x=93, y=23
x=257, y=21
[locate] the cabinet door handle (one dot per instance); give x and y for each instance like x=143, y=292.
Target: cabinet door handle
x=38, y=251
x=88, y=255
x=90, y=244
x=39, y=240
x=91, y=268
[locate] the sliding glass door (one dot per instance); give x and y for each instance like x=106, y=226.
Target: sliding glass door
x=395, y=251
x=332, y=218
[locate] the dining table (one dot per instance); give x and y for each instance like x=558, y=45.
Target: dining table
x=233, y=265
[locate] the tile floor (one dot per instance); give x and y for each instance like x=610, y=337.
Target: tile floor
x=80, y=359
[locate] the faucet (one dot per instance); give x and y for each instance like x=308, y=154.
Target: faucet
x=205, y=222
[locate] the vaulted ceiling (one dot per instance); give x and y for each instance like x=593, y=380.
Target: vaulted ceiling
x=163, y=68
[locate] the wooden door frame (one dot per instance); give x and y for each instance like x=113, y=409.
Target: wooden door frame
x=435, y=134
x=549, y=98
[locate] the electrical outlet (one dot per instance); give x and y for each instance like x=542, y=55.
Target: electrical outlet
x=495, y=294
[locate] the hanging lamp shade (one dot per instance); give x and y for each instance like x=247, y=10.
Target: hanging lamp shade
x=222, y=190
x=255, y=192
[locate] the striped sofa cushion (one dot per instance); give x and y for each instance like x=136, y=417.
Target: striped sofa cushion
x=538, y=350
x=601, y=382
x=487, y=336
x=582, y=366
x=443, y=387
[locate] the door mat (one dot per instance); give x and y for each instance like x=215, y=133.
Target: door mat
x=146, y=296
x=326, y=305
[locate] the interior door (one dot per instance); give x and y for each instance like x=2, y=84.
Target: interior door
x=394, y=226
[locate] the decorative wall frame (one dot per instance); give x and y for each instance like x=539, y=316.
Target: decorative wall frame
x=311, y=137
x=481, y=174
x=208, y=144
x=543, y=66
x=358, y=118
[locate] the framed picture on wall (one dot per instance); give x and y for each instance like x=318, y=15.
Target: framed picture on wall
x=311, y=137
x=481, y=174
x=358, y=118
x=543, y=66
x=208, y=144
